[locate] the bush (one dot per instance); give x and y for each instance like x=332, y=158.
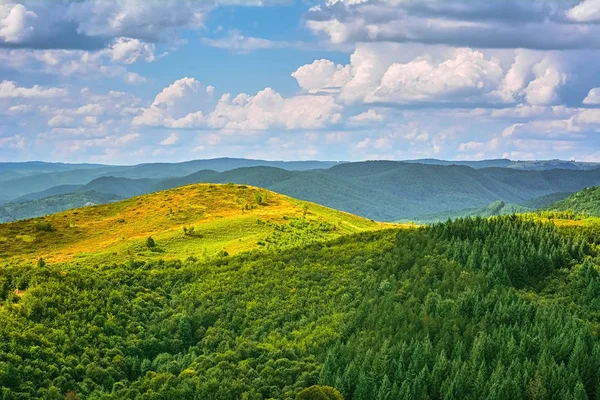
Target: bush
x=43, y=227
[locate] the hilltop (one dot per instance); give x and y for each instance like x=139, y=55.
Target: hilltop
x=199, y=220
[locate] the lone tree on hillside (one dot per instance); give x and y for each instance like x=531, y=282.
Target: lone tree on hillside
x=258, y=198
x=150, y=243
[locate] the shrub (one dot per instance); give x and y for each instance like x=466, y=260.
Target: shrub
x=150, y=243
x=258, y=198
x=43, y=227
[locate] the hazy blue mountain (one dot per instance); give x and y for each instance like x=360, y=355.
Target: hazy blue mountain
x=52, y=204
x=53, y=191
x=48, y=175
x=536, y=165
x=122, y=187
x=381, y=190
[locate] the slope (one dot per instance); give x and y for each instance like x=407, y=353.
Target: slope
x=195, y=220
x=586, y=201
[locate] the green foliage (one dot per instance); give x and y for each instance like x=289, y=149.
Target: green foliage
x=505, y=308
x=585, y=202
x=316, y=392
x=258, y=198
x=42, y=226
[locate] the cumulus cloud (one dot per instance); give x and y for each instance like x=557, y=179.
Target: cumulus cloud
x=9, y=89
x=467, y=73
x=93, y=24
x=128, y=51
x=321, y=75
x=548, y=79
x=183, y=97
x=188, y=104
x=586, y=11
x=374, y=76
x=552, y=24
x=367, y=117
x=16, y=23
x=268, y=109
x=593, y=96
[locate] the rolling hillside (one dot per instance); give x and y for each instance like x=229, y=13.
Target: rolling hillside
x=231, y=218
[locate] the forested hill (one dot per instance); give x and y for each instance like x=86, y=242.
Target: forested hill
x=585, y=202
x=495, y=309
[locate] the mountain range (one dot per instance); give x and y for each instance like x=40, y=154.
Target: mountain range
x=379, y=190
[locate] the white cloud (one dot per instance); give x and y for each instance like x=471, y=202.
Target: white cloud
x=15, y=22
x=586, y=11
x=12, y=142
x=182, y=98
x=550, y=24
x=366, y=117
x=467, y=73
x=61, y=121
x=9, y=89
x=593, y=96
x=268, y=109
x=170, y=140
x=548, y=79
x=128, y=51
x=321, y=75
x=378, y=73
x=175, y=107
x=510, y=130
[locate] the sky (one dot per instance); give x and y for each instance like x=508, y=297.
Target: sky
x=132, y=81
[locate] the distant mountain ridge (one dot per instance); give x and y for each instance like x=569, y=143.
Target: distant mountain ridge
x=379, y=190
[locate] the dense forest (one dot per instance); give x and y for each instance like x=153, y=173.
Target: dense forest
x=500, y=309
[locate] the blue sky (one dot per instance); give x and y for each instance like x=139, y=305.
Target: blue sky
x=129, y=81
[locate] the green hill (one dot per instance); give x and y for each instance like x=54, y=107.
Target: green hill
x=586, y=201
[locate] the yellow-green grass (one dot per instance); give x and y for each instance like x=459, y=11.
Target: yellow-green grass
x=224, y=217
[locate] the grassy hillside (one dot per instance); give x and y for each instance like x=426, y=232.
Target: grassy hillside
x=585, y=202
x=196, y=220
